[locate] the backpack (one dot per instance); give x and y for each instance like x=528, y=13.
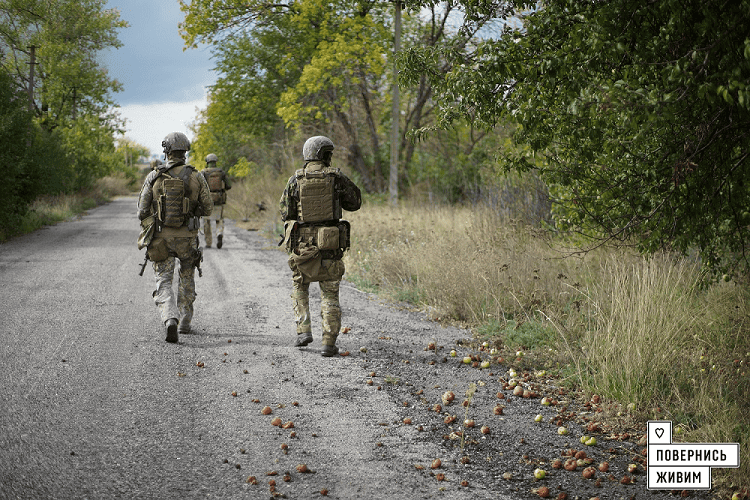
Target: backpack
x=173, y=203
x=215, y=180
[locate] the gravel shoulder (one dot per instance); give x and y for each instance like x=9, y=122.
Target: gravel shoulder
x=97, y=405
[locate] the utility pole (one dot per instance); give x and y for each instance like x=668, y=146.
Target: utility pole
x=396, y=109
x=32, y=63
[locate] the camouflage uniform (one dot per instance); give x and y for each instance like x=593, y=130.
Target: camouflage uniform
x=218, y=214
x=325, y=266
x=169, y=243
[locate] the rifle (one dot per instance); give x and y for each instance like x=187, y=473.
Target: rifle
x=198, y=258
x=143, y=266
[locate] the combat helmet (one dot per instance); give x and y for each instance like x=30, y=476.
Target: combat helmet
x=318, y=148
x=211, y=158
x=175, y=141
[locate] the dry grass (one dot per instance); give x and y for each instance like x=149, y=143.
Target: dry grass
x=649, y=333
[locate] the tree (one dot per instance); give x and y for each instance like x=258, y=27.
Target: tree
x=70, y=94
x=638, y=110
x=316, y=67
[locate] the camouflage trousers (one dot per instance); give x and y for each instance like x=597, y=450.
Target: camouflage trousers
x=218, y=216
x=180, y=307
x=330, y=308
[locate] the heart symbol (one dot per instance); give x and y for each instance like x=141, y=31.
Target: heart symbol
x=659, y=432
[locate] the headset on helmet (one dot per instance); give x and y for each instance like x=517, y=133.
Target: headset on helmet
x=315, y=148
x=175, y=141
x=211, y=157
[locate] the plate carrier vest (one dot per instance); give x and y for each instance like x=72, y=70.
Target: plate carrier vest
x=319, y=210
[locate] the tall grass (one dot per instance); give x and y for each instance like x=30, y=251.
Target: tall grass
x=51, y=209
x=650, y=333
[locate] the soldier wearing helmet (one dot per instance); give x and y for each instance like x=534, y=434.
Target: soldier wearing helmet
x=316, y=238
x=219, y=183
x=176, y=196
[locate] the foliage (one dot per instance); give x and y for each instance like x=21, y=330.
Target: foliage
x=60, y=140
x=15, y=132
x=638, y=111
x=66, y=34
x=294, y=69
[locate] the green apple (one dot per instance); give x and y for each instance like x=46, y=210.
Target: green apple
x=540, y=473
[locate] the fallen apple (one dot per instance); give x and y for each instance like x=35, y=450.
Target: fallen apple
x=453, y=353
x=302, y=468
x=540, y=473
x=589, y=472
x=266, y=410
x=467, y=360
x=485, y=429
x=562, y=431
x=590, y=441
x=604, y=466
x=448, y=397
x=632, y=468
x=436, y=463
x=276, y=422
x=469, y=422
x=538, y=418
x=543, y=492
x=485, y=364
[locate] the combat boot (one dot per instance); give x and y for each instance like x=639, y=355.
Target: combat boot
x=171, y=325
x=218, y=240
x=329, y=350
x=303, y=339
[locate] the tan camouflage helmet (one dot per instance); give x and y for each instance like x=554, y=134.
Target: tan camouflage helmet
x=211, y=158
x=175, y=141
x=315, y=148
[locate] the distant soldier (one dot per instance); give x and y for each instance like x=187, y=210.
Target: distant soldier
x=175, y=195
x=156, y=164
x=316, y=238
x=219, y=183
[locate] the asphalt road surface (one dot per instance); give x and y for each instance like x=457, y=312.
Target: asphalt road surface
x=96, y=405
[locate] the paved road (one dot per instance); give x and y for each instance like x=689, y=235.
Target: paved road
x=96, y=405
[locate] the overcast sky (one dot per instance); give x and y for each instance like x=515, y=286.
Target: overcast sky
x=164, y=86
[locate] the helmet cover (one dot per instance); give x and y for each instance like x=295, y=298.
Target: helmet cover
x=211, y=157
x=175, y=141
x=315, y=147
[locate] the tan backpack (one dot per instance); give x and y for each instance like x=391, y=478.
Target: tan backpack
x=173, y=200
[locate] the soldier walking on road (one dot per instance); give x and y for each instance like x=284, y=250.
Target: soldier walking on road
x=219, y=183
x=175, y=196
x=316, y=237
